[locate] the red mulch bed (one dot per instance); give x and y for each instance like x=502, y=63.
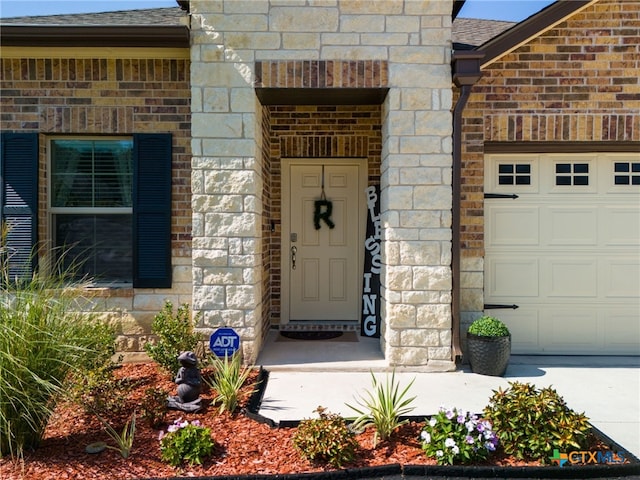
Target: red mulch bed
x=243, y=446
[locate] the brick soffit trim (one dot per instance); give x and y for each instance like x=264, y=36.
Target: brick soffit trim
x=314, y=146
x=562, y=147
x=321, y=82
x=322, y=74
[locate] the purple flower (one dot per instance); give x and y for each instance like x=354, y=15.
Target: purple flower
x=173, y=428
x=469, y=439
x=449, y=414
x=480, y=427
x=490, y=446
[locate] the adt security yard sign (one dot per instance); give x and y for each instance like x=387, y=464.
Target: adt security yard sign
x=224, y=341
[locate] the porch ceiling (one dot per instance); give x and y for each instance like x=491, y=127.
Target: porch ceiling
x=321, y=96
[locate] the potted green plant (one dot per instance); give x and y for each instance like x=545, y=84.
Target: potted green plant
x=488, y=346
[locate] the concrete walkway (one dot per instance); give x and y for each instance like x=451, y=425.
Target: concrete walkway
x=606, y=389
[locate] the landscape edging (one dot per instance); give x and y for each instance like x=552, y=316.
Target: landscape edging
x=603, y=471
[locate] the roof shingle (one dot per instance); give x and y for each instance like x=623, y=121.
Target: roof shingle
x=467, y=32
x=149, y=16
x=473, y=32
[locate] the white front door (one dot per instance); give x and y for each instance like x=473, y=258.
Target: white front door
x=322, y=267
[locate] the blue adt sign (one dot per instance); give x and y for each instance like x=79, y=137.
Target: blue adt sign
x=224, y=341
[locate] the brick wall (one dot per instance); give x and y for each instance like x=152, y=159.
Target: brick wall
x=578, y=82
x=270, y=229
x=110, y=96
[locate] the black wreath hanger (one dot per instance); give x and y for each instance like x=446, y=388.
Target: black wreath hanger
x=322, y=209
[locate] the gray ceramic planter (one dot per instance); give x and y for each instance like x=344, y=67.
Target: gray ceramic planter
x=488, y=355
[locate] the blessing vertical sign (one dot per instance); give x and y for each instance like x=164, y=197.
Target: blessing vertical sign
x=370, y=323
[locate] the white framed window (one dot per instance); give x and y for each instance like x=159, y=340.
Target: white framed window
x=91, y=207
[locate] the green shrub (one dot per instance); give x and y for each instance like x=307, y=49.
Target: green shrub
x=45, y=334
x=531, y=423
x=383, y=407
x=186, y=442
x=327, y=439
x=98, y=391
x=488, y=327
x=227, y=379
x=94, y=387
x=154, y=406
x=175, y=333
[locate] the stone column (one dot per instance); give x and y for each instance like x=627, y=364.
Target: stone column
x=227, y=183
x=414, y=38
x=416, y=197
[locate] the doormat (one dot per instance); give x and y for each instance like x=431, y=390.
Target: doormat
x=335, y=336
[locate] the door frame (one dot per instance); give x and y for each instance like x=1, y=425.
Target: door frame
x=285, y=212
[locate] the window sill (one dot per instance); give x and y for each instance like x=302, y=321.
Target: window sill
x=106, y=291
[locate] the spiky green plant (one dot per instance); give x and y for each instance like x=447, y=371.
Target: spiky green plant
x=124, y=440
x=228, y=377
x=383, y=407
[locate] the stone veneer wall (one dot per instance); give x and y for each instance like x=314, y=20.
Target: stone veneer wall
x=578, y=82
x=82, y=92
x=233, y=178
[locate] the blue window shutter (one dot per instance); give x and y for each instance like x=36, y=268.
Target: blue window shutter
x=19, y=202
x=152, y=210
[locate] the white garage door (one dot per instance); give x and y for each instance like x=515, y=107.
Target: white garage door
x=566, y=251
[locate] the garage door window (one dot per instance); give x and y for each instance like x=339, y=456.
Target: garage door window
x=627, y=173
x=514, y=174
x=572, y=174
